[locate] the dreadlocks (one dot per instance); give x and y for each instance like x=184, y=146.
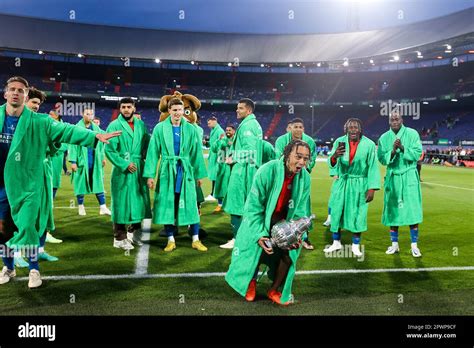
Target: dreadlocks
x=353, y=119
x=291, y=145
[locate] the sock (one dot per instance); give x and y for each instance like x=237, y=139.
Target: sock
x=414, y=234
x=219, y=202
x=195, y=237
x=329, y=211
x=336, y=236
x=169, y=229
x=194, y=229
x=100, y=198
x=394, y=236
x=355, y=239
x=42, y=242
x=235, y=221
x=33, y=259
x=80, y=199
x=7, y=257
x=34, y=264
x=55, y=190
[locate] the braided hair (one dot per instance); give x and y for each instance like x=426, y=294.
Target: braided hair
x=291, y=145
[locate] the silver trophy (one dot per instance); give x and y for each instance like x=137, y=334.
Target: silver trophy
x=284, y=233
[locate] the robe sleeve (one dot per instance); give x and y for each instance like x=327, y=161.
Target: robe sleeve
x=152, y=155
x=70, y=134
x=413, y=150
x=196, y=158
x=216, y=145
x=384, y=152
x=72, y=153
x=112, y=153
x=373, y=174
x=333, y=169
x=255, y=205
x=250, y=147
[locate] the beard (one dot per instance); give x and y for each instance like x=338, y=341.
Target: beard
x=129, y=117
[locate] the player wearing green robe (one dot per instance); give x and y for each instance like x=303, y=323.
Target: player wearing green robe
x=216, y=132
x=269, y=202
x=35, y=99
x=177, y=143
x=355, y=160
x=130, y=194
x=26, y=206
x=399, y=149
x=246, y=158
x=296, y=132
x=57, y=160
x=221, y=150
x=88, y=168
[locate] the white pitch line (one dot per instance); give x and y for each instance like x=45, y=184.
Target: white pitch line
x=222, y=274
x=142, y=256
x=449, y=186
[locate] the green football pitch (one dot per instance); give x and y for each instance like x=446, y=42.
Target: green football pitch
x=93, y=278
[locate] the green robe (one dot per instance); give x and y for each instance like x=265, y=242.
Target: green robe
x=285, y=139
x=190, y=155
x=402, y=197
x=348, y=194
x=25, y=177
x=130, y=194
x=53, y=149
x=268, y=152
x=57, y=165
x=246, y=153
x=212, y=160
x=199, y=193
x=80, y=178
x=221, y=149
x=256, y=223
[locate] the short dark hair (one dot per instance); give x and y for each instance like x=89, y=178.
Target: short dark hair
x=230, y=126
x=175, y=101
x=297, y=120
x=126, y=100
x=212, y=118
x=36, y=93
x=17, y=79
x=289, y=122
x=249, y=103
x=96, y=118
x=291, y=145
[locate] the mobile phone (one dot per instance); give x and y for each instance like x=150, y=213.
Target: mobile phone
x=342, y=144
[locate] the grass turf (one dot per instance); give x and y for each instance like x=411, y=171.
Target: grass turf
x=446, y=239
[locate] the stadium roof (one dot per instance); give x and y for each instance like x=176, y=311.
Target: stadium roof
x=56, y=36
